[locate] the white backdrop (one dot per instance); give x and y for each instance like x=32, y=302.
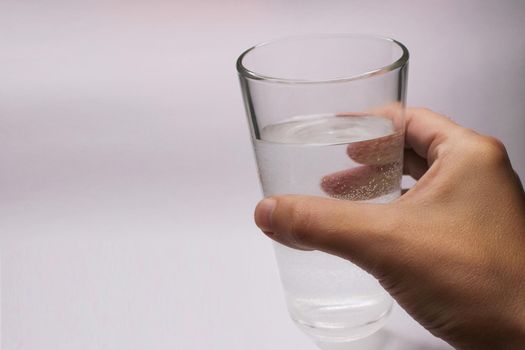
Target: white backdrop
x=127, y=179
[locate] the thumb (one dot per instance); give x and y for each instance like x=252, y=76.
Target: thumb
x=366, y=234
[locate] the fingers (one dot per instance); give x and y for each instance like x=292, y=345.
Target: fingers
x=383, y=150
x=366, y=234
x=380, y=173
x=426, y=131
x=414, y=165
x=363, y=182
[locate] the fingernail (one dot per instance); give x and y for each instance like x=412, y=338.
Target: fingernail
x=263, y=214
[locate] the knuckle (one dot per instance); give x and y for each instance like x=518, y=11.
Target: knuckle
x=492, y=150
x=485, y=150
x=495, y=144
x=299, y=221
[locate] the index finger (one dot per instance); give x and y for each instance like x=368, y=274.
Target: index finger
x=382, y=150
x=425, y=130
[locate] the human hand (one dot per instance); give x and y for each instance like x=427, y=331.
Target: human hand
x=378, y=172
x=451, y=250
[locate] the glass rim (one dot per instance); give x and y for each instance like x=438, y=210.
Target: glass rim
x=249, y=74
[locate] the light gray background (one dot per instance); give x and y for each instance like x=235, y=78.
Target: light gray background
x=127, y=179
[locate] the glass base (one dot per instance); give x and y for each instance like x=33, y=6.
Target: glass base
x=336, y=332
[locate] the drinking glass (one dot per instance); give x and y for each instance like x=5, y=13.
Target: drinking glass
x=326, y=119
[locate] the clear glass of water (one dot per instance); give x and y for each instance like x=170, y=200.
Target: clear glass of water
x=326, y=119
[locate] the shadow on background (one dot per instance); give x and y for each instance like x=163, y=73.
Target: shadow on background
x=381, y=340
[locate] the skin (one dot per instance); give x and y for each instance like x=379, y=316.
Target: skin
x=451, y=250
